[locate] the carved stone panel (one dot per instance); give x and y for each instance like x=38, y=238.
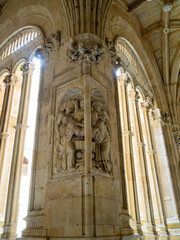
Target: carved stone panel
x=101, y=133
x=69, y=131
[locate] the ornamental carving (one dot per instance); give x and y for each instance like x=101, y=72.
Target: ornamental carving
x=101, y=133
x=25, y=67
x=69, y=133
x=10, y=79
x=69, y=129
x=51, y=44
x=176, y=134
x=115, y=59
x=86, y=48
x=160, y=115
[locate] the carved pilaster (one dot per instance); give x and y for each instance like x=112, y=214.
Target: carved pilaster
x=85, y=48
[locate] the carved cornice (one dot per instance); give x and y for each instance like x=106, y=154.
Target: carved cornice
x=51, y=44
x=86, y=48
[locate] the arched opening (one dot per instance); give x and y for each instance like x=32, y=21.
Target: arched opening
x=143, y=177
x=19, y=109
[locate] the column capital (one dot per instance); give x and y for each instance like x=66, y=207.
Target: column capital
x=151, y=152
x=141, y=144
x=86, y=48
x=129, y=133
x=145, y=105
x=115, y=59
x=3, y=135
x=51, y=44
x=134, y=95
x=10, y=79
x=20, y=126
x=159, y=115
x=123, y=79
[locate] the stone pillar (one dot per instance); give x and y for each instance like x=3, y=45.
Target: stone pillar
x=128, y=154
x=144, y=178
x=152, y=170
x=10, y=82
x=161, y=137
x=78, y=192
x=11, y=215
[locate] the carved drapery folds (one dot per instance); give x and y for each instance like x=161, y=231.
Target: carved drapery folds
x=86, y=16
x=69, y=133
x=51, y=44
x=85, y=48
x=101, y=133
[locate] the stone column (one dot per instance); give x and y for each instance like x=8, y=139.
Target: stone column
x=152, y=169
x=10, y=82
x=11, y=215
x=141, y=158
x=128, y=154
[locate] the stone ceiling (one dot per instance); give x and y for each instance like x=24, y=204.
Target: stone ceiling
x=153, y=21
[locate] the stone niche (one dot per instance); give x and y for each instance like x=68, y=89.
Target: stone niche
x=68, y=202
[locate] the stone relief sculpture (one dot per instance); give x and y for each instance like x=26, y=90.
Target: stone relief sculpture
x=86, y=48
x=69, y=133
x=101, y=135
x=69, y=128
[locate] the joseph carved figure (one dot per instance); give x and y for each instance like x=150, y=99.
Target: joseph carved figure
x=101, y=135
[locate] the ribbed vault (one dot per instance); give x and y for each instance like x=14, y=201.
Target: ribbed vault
x=86, y=16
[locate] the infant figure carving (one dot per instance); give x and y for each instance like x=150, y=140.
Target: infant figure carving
x=69, y=128
x=101, y=137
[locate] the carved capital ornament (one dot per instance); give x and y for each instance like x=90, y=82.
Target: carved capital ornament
x=51, y=44
x=85, y=48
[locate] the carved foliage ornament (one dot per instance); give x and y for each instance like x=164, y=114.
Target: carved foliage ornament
x=51, y=44
x=10, y=79
x=160, y=115
x=85, y=48
x=115, y=59
x=176, y=134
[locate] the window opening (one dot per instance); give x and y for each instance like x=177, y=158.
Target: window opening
x=29, y=146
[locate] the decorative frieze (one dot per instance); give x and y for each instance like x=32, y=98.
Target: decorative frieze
x=86, y=48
